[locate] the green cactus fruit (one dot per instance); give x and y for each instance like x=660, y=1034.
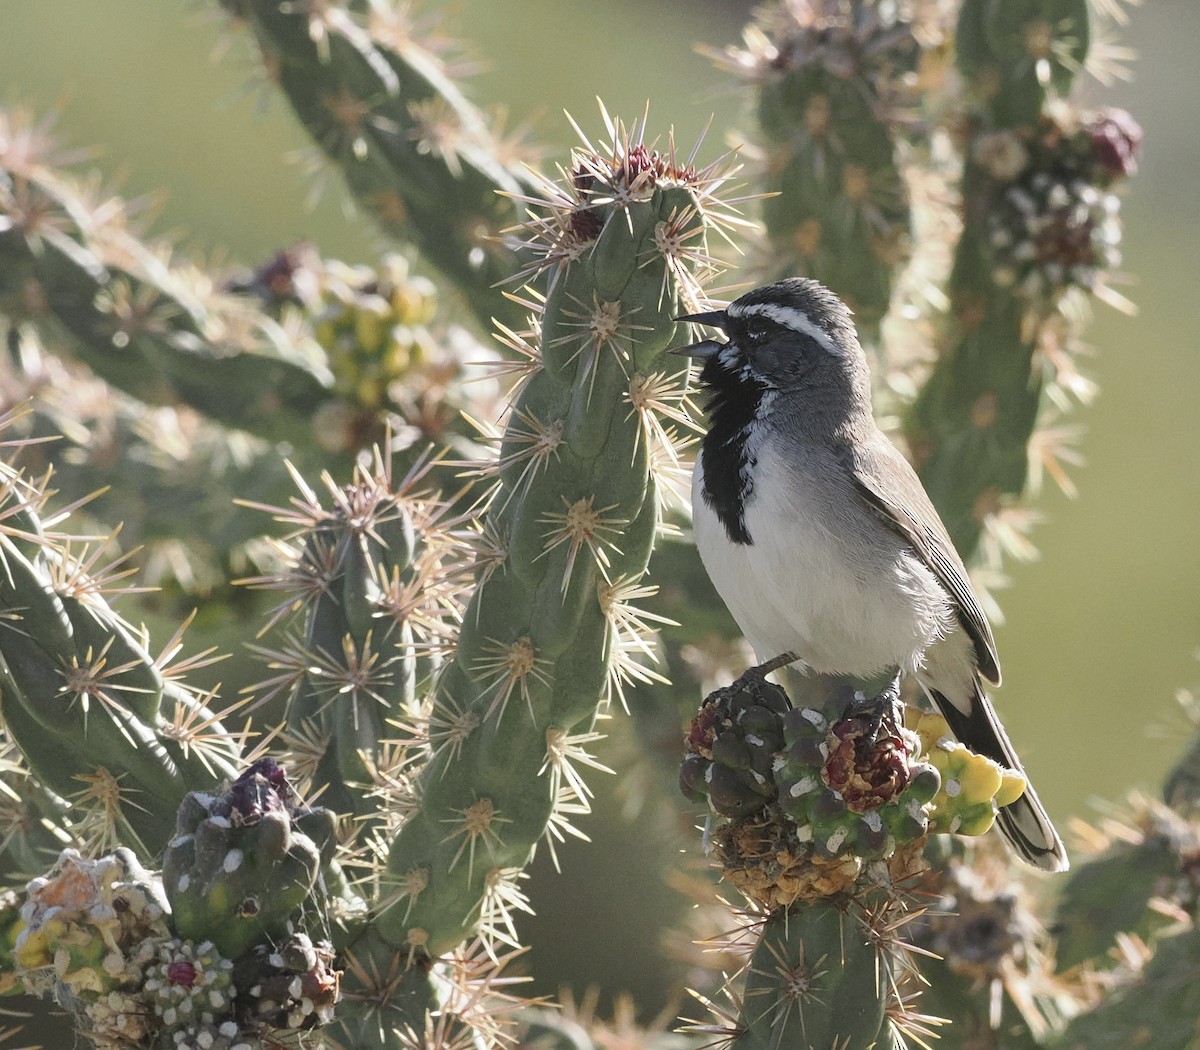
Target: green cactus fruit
x=244, y=863
x=969, y=788
x=90, y=926
x=731, y=747
x=816, y=980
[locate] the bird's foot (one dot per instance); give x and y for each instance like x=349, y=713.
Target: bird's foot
x=882, y=709
x=758, y=674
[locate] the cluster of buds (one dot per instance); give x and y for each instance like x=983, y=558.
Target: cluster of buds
x=808, y=804
x=293, y=986
x=1054, y=224
x=188, y=986
x=121, y=947
x=373, y=324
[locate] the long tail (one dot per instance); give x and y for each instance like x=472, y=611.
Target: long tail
x=1025, y=822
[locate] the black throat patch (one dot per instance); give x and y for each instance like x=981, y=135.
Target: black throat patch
x=725, y=455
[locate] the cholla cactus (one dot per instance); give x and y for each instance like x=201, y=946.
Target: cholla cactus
x=837, y=81
x=442, y=631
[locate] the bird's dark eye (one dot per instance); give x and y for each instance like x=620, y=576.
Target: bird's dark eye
x=757, y=329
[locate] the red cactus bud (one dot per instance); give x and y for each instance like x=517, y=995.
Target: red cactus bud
x=866, y=772
x=182, y=973
x=1116, y=142
x=703, y=731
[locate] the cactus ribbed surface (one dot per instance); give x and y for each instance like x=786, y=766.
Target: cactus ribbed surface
x=816, y=979
x=832, y=76
x=576, y=510
x=82, y=698
x=1037, y=225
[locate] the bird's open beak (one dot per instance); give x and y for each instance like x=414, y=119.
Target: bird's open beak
x=706, y=348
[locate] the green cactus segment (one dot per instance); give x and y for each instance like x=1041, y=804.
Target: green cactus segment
x=576, y=506
x=1039, y=223
x=391, y=1000
x=89, y=926
x=371, y=591
x=830, y=79
x=243, y=864
x=88, y=706
x=415, y=154
x=1015, y=53
x=1155, y=1006
x=136, y=323
x=1112, y=893
x=816, y=980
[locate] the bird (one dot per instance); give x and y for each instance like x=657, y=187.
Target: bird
x=819, y=536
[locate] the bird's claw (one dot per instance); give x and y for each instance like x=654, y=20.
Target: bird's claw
x=883, y=708
x=758, y=674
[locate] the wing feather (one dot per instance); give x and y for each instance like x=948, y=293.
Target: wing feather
x=891, y=488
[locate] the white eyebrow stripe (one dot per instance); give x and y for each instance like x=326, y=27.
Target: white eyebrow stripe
x=790, y=317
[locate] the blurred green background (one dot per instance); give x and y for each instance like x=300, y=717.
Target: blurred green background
x=1100, y=632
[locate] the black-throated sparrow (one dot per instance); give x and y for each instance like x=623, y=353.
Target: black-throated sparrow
x=818, y=534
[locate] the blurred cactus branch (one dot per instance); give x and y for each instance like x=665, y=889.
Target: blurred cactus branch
x=97, y=719
x=71, y=262
x=417, y=156
x=835, y=87
x=1038, y=233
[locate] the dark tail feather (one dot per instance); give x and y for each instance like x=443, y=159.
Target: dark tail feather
x=1024, y=823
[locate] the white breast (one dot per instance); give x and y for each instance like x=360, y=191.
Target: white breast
x=851, y=601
